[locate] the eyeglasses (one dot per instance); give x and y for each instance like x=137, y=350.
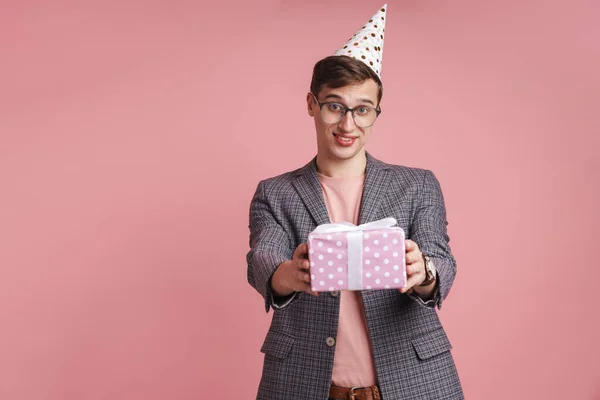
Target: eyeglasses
x=333, y=113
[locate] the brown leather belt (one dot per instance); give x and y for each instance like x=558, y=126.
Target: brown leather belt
x=354, y=393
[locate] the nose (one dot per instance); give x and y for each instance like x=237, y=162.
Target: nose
x=347, y=122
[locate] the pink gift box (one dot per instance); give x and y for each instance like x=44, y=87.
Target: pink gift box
x=344, y=256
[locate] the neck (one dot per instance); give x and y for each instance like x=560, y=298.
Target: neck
x=336, y=168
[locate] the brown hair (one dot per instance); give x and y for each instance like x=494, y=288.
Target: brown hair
x=340, y=71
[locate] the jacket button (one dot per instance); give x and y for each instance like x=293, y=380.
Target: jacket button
x=330, y=341
x=335, y=293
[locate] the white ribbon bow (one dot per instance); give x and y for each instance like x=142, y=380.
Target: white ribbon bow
x=349, y=227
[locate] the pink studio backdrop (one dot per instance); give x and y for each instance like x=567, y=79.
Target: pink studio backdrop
x=133, y=134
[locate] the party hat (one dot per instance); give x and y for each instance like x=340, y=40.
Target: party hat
x=367, y=44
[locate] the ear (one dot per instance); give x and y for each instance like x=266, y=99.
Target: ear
x=309, y=103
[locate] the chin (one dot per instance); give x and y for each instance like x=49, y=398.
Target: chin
x=346, y=154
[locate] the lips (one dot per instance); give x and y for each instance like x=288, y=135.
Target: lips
x=344, y=140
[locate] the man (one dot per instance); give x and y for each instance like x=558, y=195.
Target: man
x=374, y=344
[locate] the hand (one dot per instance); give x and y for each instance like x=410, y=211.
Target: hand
x=415, y=267
x=293, y=275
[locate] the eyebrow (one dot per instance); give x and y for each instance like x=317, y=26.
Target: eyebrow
x=338, y=97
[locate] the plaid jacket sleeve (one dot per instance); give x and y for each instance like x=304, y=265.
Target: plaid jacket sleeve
x=429, y=232
x=269, y=247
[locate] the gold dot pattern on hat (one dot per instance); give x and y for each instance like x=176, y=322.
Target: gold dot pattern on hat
x=368, y=42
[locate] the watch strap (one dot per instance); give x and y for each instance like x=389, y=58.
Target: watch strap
x=429, y=276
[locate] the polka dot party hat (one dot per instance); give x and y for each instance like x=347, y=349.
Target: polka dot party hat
x=367, y=44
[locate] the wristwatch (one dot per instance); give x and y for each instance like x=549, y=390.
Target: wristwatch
x=430, y=272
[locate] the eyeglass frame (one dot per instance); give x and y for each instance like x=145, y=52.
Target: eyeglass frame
x=346, y=109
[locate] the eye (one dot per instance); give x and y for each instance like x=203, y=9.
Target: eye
x=335, y=107
x=363, y=110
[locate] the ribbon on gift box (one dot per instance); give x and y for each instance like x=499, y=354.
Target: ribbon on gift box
x=355, y=244
x=347, y=226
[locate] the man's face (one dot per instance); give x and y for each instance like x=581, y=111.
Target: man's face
x=342, y=140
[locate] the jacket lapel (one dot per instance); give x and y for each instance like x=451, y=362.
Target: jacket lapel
x=376, y=185
x=309, y=189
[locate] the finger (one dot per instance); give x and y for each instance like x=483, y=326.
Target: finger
x=306, y=287
x=409, y=245
x=302, y=264
x=414, y=268
x=302, y=276
x=412, y=282
x=301, y=251
x=413, y=257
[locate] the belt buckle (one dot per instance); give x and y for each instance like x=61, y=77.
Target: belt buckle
x=352, y=394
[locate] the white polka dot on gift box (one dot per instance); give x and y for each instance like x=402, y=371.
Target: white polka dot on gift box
x=328, y=256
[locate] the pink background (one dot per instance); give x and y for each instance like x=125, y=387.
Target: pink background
x=133, y=134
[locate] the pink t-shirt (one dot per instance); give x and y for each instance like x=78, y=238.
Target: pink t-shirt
x=353, y=360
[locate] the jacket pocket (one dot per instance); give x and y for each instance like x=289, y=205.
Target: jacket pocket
x=431, y=344
x=277, y=344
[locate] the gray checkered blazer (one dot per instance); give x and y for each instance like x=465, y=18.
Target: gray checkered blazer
x=410, y=348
